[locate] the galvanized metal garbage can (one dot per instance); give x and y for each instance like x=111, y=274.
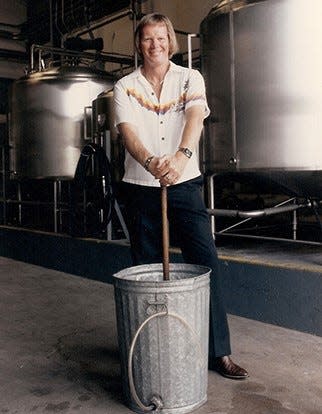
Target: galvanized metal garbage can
x=163, y=336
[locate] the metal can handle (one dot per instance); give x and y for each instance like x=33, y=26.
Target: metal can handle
x=156, y=401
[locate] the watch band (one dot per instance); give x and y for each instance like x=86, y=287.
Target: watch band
x=147, y=162
x=186, y=151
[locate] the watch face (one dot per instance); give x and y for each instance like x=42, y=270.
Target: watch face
x=186, y=152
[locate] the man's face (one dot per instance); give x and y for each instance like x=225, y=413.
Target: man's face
x=155, y=44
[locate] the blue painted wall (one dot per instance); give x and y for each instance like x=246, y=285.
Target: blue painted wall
x=286, y=297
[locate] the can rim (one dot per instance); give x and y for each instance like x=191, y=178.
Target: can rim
x=136, y=274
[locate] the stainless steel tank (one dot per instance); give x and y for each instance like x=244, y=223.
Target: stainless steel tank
x=262, y=62
x=103, y=114
x=105, y=133
x=47, y=128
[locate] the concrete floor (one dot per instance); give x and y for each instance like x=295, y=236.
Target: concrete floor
x=58, y=353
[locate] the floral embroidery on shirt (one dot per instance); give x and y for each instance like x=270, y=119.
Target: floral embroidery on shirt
x=175, y=105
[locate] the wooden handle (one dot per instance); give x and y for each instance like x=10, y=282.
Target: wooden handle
x=165, y=233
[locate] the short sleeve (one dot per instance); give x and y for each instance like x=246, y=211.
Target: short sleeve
x=122, y=105
x=196, y=91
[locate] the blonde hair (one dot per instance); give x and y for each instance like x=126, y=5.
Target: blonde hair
x=156, y=18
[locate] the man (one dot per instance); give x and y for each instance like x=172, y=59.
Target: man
x=160, y=108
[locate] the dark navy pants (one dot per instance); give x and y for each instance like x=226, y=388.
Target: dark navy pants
x=190, y=229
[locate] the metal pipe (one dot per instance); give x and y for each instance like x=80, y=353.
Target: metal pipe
x=63, y=15
x=51, y=25
x=4, y=185
x=39, y=60
x=279, y=239
x=32, y=48
x=249, y=215
x=234, y=226
x=122, y=221
x=234, y=159
x=294, y=223
x=72, y=11
x=56, y=24
x=211, y=198
x=255, y=213
x=59, y=204
x=104, y=22
x=32, y=203
x=136, y=57
x=55, y=206
x=20, y=206
x=190, y=36
x=280, y=208
x=109, y=57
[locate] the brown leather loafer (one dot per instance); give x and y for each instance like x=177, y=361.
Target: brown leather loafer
x=227, y=368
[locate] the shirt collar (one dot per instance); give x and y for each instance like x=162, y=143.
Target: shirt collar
x=173, y=68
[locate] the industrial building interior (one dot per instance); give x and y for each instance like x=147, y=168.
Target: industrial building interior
x=63, y=227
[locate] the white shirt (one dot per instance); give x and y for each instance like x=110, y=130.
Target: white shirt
x=160, y=122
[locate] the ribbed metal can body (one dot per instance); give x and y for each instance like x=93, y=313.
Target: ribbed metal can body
x=170, y=320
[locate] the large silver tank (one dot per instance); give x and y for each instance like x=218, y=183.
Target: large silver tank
x=106, y=134
x=47, y=129
x=262, y=62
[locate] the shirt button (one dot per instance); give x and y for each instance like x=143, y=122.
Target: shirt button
x=163, y=138
x=161, y=122
x=152, y=93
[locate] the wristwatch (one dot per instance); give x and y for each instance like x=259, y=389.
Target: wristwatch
x=185, y=151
